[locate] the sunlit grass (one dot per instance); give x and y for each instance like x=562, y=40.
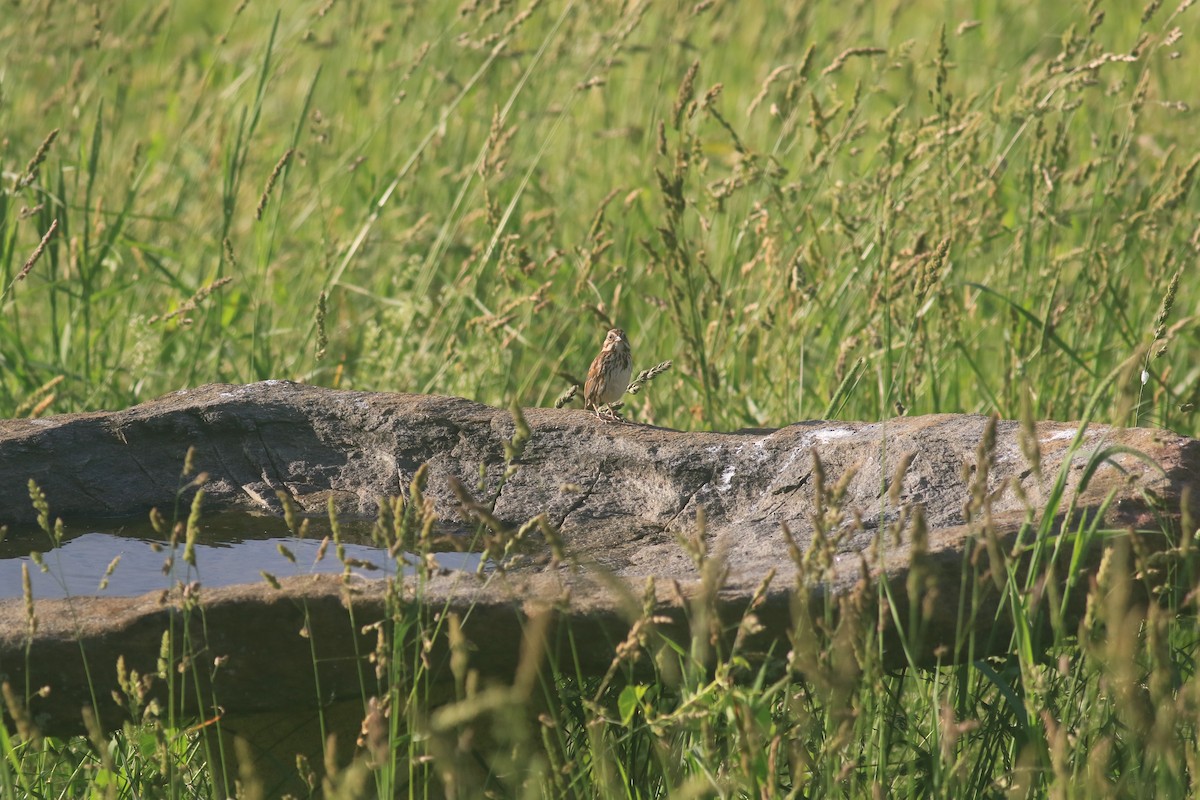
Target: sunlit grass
x=811, y=210
x=938, y=210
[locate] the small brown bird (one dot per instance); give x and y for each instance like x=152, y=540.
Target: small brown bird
x=609, y=374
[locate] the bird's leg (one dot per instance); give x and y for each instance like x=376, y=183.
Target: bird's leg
x=610, y=415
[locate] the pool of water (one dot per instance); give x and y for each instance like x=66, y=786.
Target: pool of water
x=231, y=549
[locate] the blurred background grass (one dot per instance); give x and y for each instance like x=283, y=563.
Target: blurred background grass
x=757, y=192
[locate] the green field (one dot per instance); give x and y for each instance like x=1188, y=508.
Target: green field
x=814, y=210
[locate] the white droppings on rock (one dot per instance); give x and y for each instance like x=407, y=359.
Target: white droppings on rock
x=255, y=496
x=1069, y=433
x=791, y=459
x=726, y=479
x=829, y=436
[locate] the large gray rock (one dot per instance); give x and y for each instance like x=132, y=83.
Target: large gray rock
x=620, y=497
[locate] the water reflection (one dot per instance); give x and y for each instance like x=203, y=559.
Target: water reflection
x=223, y=558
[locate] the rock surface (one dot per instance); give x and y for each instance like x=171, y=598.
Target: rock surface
x=620, y=496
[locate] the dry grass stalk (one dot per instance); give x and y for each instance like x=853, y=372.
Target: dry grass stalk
x=774, y=75
x=27, y=730
x=567, y=396
x=37, y=253
x=849, y=53
x=193, y=302
x=322, y=336
x=683, y=100
x=274, y=176
x=34, y=166
x=37, y=402
x=1164, y=313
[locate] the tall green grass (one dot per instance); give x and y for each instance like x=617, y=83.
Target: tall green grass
x=928, y=209
x=811, y=209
